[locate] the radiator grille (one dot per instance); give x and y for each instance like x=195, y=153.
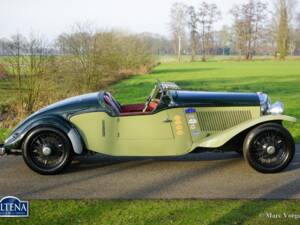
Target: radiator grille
x=222, y=120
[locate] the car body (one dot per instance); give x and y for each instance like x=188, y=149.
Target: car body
x=172, y=122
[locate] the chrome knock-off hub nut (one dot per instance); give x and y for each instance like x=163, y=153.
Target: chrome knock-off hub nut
x=46, y=151
x=271, y=150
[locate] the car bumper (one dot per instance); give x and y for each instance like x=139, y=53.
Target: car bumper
x=2, y=150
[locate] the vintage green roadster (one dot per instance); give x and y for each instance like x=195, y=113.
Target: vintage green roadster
x=172, y=122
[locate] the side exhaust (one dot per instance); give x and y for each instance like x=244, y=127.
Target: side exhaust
x=2, y=150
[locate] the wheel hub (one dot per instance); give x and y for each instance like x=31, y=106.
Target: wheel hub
x=271, y=150
x=46, y=151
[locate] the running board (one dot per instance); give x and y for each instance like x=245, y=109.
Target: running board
x=4, y=151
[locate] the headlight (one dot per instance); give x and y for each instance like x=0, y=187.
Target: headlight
x=265, y=102
x=276, y=108
x=267, y=107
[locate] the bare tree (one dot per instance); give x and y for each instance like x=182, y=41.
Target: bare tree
x=271, y=36
x=15, y=49
x=208, y=14
x=297, y=34
x=249, y=22
x=97, y=58
x=177, y=26
x=192, y=22
x=27, y=61
x=259, y=23
x=34, y=71
x=81, y=44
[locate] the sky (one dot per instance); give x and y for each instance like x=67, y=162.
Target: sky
x=49, y=18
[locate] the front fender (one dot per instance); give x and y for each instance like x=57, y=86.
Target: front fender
x=16, y=138
x=218, y=140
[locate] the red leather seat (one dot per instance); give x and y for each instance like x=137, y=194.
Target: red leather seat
x=129, y=110
x=152, y=106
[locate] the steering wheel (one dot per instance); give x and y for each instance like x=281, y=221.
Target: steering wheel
x=149, y=100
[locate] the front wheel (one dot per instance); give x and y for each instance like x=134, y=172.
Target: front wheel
x=47, y=151
x=269, y=148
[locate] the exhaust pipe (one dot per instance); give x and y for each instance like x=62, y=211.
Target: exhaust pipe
x=2, y=150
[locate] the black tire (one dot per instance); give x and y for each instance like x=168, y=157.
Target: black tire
x=269, y=148
x=36, y=151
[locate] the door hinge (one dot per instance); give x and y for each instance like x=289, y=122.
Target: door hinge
x=167, y=120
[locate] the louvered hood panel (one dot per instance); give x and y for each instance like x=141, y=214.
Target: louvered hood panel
x=214, y=121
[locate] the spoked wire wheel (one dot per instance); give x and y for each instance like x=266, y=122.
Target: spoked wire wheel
x=269, y=148
x=47, y=151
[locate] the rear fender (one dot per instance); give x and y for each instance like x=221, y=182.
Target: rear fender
x=220, y=139
x=16, y=138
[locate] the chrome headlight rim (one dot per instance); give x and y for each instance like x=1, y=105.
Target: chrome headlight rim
x=265, y=102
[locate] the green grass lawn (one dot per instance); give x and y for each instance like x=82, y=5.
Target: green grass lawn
x=162, y=212
x=3, y=134
x=281, y=80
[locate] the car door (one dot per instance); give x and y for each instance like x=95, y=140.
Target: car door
x=145, y=135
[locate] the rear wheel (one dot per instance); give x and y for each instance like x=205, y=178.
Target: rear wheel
x=47, y=151
x=269, y=148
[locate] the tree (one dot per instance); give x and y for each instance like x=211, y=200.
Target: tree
x=284, y=15
x=192, y=22
x=298, y=22
x=283, y=30
x=36, y=62
x=297, y=34
x=208, y=14
x=15, y=49
x=28, y=61
x=97, y=58
x=177, y=26
x=81, y=44
x=249, y=22
x=271, y=36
